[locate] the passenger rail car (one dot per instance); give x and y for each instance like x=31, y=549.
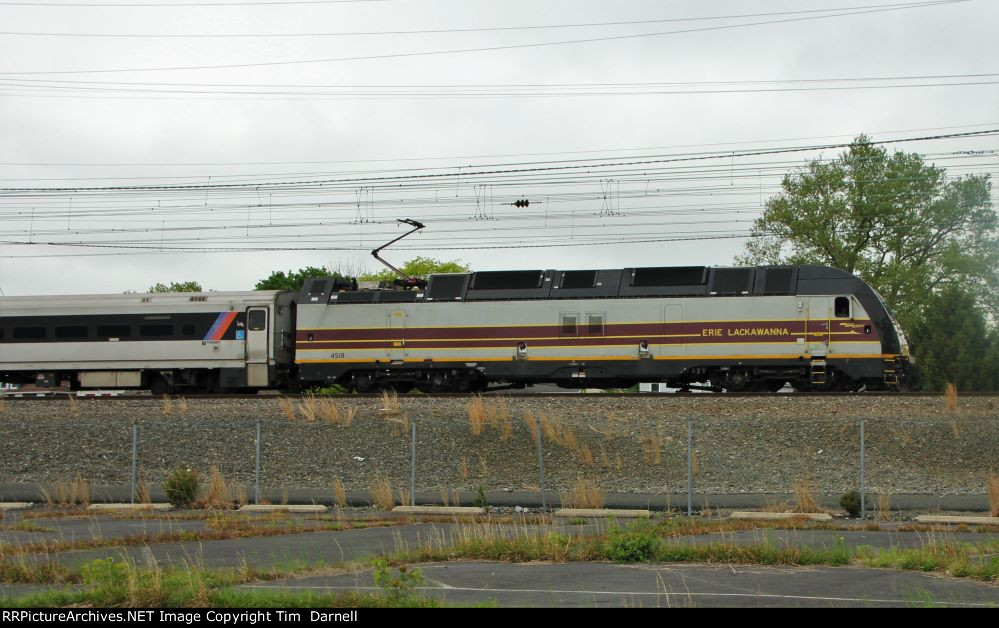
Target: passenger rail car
x=740, y=329
x=210, y=341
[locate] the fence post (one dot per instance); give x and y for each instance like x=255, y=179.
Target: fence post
x=541, y=470
x=135, y=454
x=863, y=492
x=690, y=467
x=256, y=469
x=412, y=466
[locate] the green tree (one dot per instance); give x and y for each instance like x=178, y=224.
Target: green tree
x=419, y=267
x=177, y=286
x=992, y=360
x=293, y=279
x=951, y=343
x=897, y=222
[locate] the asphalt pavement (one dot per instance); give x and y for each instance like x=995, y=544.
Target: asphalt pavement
x=589, y=584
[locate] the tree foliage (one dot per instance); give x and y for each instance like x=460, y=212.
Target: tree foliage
x=293, y=279
x=952, y=343
x=897, y=222
x=419, y=267
x=177, y=286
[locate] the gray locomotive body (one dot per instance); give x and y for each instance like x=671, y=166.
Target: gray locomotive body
x=209, y=341
x=747, y=329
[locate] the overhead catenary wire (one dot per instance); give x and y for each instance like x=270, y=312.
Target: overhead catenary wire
x=438, y=31
x=426, y=158
x=525, y=167
x=479, y=49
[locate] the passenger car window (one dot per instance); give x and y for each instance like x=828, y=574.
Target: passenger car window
x=29, y=332
x=258, y=320
x=71, y=331
x=114, y=331
x=158, y=331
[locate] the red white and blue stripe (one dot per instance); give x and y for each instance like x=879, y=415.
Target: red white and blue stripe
x=220, y=326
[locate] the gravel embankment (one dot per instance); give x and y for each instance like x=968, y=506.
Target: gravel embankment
x=626, y=444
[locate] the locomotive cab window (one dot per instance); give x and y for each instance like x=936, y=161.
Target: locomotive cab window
x=569, y=324
x=257, y=320
x=842, y=307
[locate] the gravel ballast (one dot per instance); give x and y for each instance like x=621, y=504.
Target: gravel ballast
x=631, y=444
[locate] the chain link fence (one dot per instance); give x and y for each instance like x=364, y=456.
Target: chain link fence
x=503, y=451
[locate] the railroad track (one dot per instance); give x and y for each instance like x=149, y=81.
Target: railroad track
x=108, y=396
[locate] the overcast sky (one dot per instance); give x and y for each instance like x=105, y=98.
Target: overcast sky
x=240, y=138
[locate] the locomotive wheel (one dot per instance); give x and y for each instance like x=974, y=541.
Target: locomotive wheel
x=160, y=386
x=441, y=382
x=362, y=382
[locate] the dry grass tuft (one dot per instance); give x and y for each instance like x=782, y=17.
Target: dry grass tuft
x=347, y=418
x=331, y=412
x=391, y=412
x=309, y=408
x=584, y=494
x=339, y=494
x=390, y=404
x=288, y=408
x=242, y=497
x=328, y=411
x=145, y=495
x=477, y=415
x=382, y=494
x=449, y=498
x=950, y=397
x=218, y=495
x=498, y=411
x=506, y=427
x=550, y=428
x=804, y=500
x=463, y=467
x=586, y=455
x=532, y=425
x=882, y=511
x=74, y=406
x=483, y=470
x=652, y=449
x=569, y=440
x=182, y=406
x=3, y=405
x=167, y=406
x=65, y=494
x=404, y=498
x=992, y=488
x=82, y=491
